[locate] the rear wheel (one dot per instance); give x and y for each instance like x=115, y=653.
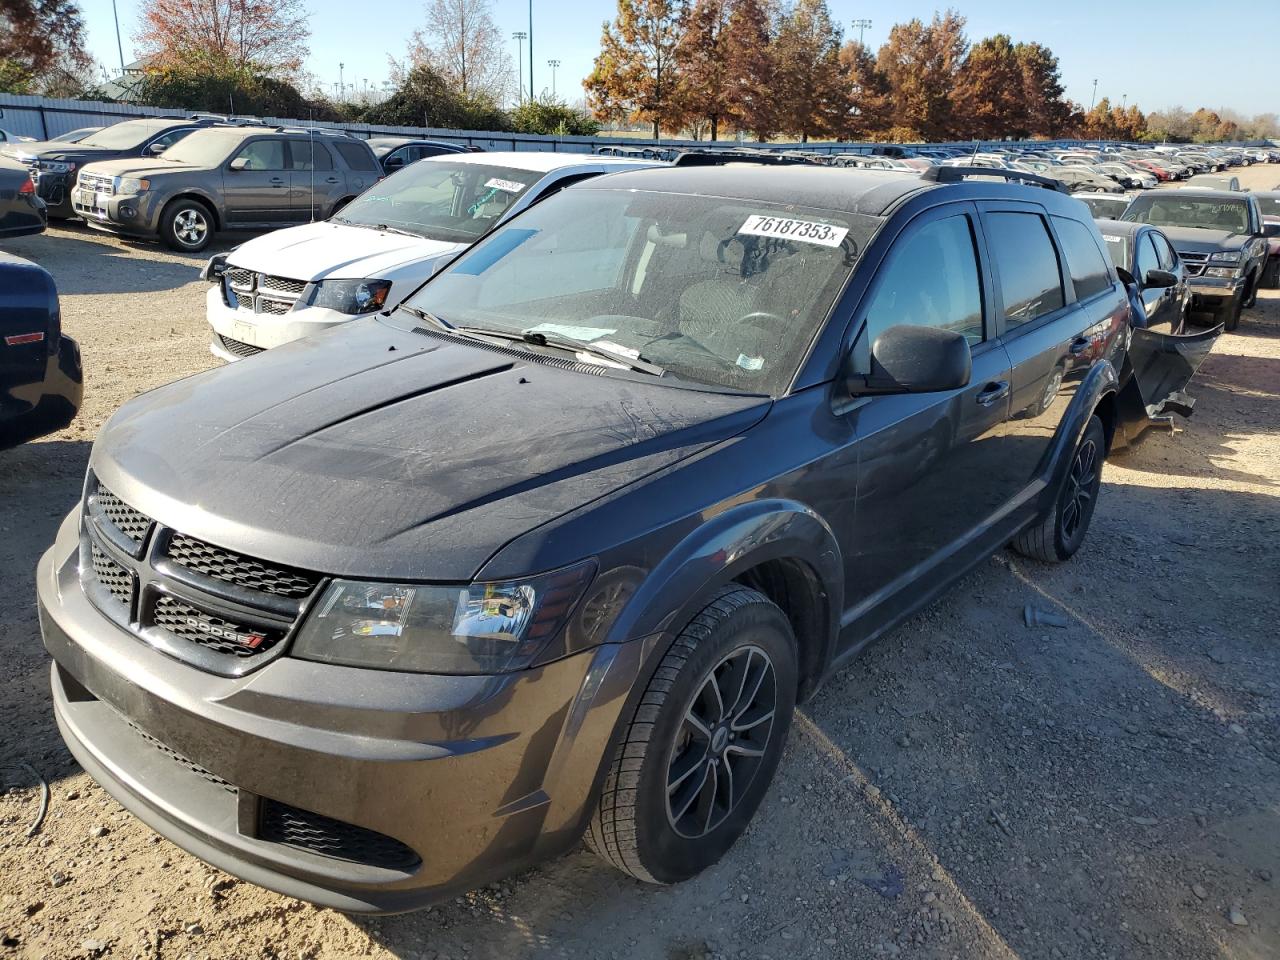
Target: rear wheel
x=1060, y=533
x=186, y=226
x=698, y=756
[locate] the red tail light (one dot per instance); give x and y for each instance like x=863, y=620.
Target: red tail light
x=27, y=187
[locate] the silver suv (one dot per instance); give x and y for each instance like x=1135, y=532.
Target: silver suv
x=226, y=178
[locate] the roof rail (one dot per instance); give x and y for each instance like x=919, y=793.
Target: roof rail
x=318, y=131
x=214, y=117
x=959, y=174
x=712, y=158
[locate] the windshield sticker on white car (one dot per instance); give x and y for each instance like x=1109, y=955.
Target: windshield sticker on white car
x=510, y=186
x=784, y=228
x=585, y=334
x=750, y=363
x=1111, y=239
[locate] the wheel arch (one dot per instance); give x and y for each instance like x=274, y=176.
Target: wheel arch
x=1096, y=395
x=201, y=199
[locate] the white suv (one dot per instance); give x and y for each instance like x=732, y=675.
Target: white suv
x=380, y=247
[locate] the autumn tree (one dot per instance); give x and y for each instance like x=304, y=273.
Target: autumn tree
x=868, y=92
x=636, y=76
x=811, y=95
x=702, y=62
x=1041, y=85
x=41, y=42
x=267, y=37
x=749, y=69
x=921, y=64
x=462, y=43
x=989, y=101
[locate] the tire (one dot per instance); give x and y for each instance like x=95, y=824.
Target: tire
x=662, y=834
x=1230, y=315
x=186, y=226
x=1057, y=536
x=1251, y=291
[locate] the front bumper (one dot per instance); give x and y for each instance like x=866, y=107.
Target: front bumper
x=463, y=779
x=132, y=214
x=1214, y=290
x=239, y=332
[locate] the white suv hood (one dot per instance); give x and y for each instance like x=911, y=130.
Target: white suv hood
x=315, y=251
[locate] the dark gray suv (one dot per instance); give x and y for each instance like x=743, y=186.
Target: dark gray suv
x=390, y=612
x=226, y=178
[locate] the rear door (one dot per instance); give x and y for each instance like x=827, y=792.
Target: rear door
x=930, y=471
x=258, y=192
x=1052, y=327
x=315, y=184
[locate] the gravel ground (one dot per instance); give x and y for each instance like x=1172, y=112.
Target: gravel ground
x=968, y=788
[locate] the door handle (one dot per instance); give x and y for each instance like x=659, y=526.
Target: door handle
x=277, y=181
x=993, y=392
x=1079, y=345
x=331, y=180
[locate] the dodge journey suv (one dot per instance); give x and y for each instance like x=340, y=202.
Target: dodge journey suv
x=555, y=547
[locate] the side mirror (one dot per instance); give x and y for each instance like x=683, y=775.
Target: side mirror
x=393, y=162
x=1270, y=230
x=1156, y=279
x=911, y=359
x=238, y=164
x=157, y=148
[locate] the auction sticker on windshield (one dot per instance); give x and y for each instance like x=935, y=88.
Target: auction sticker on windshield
x=783, y=228
x=510, y=186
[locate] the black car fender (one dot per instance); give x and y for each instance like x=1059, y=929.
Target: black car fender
x=1097, y=393
x=728, y=547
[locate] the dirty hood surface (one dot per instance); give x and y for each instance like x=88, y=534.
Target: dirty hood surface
x=375, y=451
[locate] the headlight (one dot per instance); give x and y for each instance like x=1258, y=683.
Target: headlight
x=478, y=628
x=1221, y=273
x=130, y=185
x=349, y=296
x=1226, y=256
x=55, y=166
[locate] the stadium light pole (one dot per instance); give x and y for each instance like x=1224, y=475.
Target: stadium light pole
x=1093, y=99
x=862, y=24
x=520, y=37
x=531, y=93
x=553, y=64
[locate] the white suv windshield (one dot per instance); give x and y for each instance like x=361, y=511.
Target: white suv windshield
x=441, y=199
x=719, y=291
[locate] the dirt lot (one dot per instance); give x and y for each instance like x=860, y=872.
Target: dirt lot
x=969, y=788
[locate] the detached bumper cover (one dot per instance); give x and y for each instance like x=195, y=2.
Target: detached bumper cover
x=419, y=787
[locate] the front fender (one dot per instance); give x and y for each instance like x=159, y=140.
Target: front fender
x=724, y=548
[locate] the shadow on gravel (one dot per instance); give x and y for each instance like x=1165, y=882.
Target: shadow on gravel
x=1039, y=790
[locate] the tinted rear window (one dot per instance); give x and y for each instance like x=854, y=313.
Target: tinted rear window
x=357, y=155
x=1089, y=272
x=1029, y=276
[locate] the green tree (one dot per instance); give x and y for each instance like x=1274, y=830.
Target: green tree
x=427, y=99
x=1047, y=112
x=220, y=86
x=636, y=75
x=989, y=101
x=812, y=98
x=553, y=117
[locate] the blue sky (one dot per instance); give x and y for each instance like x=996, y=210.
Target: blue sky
x=1159, y=52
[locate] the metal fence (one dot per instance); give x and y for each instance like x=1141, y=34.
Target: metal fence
x=45, y=117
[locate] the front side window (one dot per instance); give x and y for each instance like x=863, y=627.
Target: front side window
x=1030, y=280
x=1167, y=209
x=262, y=155
x=931, y=280
x=718, y=291
x=442, y=199
x=1089, y=273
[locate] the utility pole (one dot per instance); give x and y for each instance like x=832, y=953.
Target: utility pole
x=1093, y=99
x=863, y=24
x=520, y=37
x=119, y=45
x=342, y=85
x=553, y=64
x=1124, y=100
x=532, y=95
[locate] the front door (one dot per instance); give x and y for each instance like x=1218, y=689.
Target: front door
x=256, y=183
x=930, y=475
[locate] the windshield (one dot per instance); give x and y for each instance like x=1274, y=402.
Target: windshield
x=723, y=292
x=128, y=135
x=1164, y=210
x=1105, y=208
x=205, y=148
x=441, y=199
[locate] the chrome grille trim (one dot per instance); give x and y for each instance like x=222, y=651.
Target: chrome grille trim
x=257, y=293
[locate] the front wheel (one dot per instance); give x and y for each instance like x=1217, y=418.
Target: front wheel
x=186, y=226
x=1061, y=532
x=1231, y=313
x=699, y=753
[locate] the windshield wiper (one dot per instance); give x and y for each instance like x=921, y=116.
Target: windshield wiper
x=568, y=344
x=380, y=227
x=431, y=318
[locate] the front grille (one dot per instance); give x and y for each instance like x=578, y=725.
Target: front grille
x=238, y=347
x=117, y=580
x=244, y=301
x=1194, y=262
x=239, y=277
x=262, y=292
x=95, y=183
x=178, y=758
x=230, y=567
x=274, y=307
x=284, y=824
x=185, y=622
x=281, y=284
x=123, y=517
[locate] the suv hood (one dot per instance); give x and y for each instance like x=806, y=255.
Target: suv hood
x=371, y=451
x=1204, y=240
x=61, y=151
x=139, y=167
x=315, y=251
